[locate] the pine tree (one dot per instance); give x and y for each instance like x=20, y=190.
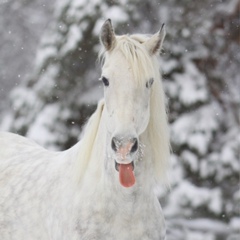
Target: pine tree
x=204, y=100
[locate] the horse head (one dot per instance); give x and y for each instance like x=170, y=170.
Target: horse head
x=128, y=76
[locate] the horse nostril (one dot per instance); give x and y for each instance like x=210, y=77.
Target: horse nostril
x=114, y=144
x=135, y=145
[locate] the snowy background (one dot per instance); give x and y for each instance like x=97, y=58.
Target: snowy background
x=49, y=87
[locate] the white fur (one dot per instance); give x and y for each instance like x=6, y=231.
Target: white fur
x=76, y=194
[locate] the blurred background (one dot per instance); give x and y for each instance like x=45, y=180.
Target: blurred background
x=49, y=88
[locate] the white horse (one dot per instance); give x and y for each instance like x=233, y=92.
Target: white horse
x=101, y=188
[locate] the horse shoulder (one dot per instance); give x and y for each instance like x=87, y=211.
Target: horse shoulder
x=22, y=159
x=34, y=188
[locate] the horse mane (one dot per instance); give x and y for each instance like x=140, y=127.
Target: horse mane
x=158, y=128
x=84, y=147
x=135, y=53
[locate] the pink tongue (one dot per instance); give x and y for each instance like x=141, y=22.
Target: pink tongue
x=126, y=175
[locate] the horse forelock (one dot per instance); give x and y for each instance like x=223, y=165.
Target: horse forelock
x=135, y=54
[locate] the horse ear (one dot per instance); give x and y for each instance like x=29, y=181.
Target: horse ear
x=107, y=35
x=154, y=44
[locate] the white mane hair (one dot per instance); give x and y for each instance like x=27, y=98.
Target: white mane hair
x=84, y=147
x=144, y=67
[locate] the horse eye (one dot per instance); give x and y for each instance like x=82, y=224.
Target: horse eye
x=149, y=83
x=105, y=81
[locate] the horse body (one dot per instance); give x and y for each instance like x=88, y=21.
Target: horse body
x=35, y=191
x=101, y=188
x=40, y=199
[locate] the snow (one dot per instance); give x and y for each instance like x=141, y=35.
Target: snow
x=46, y=83
x=208, y=167
x=73, y=37
x=206, y=224
x=186, y=197
x=237, y=195
x=235, y=224
x=191, y=86
x=171, y=89
x=228, y=7
x=216, y=204
x=199, y=228
x=168, y=66
x=176, y=173
x=199, y=142
x=184, y=132
x=195, y=131
x=116, y=14
x=44, y=54
x=60, y=6
x=27, y=100
x=39, y=130
x=180, y=129
x=186, y=32
x=78, y=4
x=6, y=122
x=191, y=160
x=195, y=235
x=92, y=96
x=77, y=9
x=227, y=155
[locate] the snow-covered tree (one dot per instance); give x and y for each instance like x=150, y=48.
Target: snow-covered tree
x=203, y=92
x=21, y=24
x=200, y=69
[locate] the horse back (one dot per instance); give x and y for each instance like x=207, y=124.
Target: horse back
x=32, y=180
